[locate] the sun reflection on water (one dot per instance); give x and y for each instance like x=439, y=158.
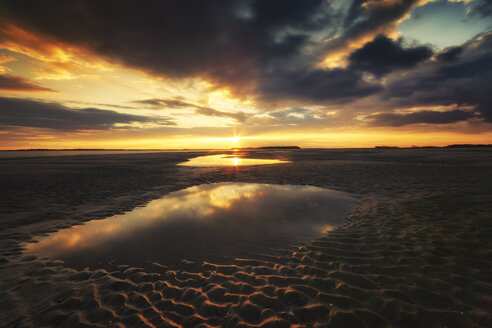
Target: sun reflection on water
x=228, y=160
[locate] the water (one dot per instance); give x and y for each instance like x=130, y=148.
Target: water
x=228, y=160
x=212, y=222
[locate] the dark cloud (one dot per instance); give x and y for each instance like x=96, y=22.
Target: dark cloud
x=366, y=17
x=17, y=83
x=425, y=116
x=30, y=113
x=163, y=103
x=223, y=40
x=317, y=86
x=482, y=8
x=157, y=104
x=266, y=48
x=244, y=44
x=450, y=54
x=239, y=116
x=463, y=81
x=383, y=55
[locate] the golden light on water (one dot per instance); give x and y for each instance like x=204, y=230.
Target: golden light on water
x=200, y=217
x=228, y=160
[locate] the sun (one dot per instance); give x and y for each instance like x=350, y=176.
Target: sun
x=236, y=139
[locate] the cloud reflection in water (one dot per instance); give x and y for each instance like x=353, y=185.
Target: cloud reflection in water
x=212, y=222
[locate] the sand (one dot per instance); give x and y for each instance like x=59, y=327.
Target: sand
x=417, y=252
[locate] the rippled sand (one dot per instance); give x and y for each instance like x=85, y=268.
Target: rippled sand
x=417, y=252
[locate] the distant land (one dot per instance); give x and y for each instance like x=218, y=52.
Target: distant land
x=81, y=149
x=268, y=147
x=448, y=146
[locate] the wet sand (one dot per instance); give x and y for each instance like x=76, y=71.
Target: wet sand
x=417, y=252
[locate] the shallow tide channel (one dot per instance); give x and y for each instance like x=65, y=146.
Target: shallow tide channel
x=213, y=222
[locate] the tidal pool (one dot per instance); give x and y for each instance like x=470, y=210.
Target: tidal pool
x=228, y=160
x=211, y=222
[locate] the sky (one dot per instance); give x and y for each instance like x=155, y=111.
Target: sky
x=176, y=74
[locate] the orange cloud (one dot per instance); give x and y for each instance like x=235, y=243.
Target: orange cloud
x=18, y=40
x=4, y=60
x=63, y=59
x=18, y=83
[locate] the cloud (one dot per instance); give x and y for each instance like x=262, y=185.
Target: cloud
x=269, y=50
x=184, y=38
x=244, y=45
x=31, y=113
x=366, y=16
x=17, y=83
x=317, y=86
x=200, y=110
x=239, y=116
x=450, y=54
x=383, y=55
x=425, y=116
x=163, y=103
x=482, y=8
x=294, y=116
x=458, y=77
x=362, y=21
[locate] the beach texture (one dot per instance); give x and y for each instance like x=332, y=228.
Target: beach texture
x=417, y=252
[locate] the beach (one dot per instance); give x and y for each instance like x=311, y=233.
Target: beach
x=415, y=252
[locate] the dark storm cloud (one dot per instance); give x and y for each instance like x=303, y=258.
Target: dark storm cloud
x=383, y=55
x=225, y=40
x=17, y=83
x=30, y=113
x=464, y=80
x=425, y=116
x=449, y=55
x=366, y=17
x=244, y=44
x=266, y=48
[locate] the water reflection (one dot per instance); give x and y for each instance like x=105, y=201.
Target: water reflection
x=212, y=222
x=228, y=160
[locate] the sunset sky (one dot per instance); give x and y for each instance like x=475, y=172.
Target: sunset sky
x=225, y=73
